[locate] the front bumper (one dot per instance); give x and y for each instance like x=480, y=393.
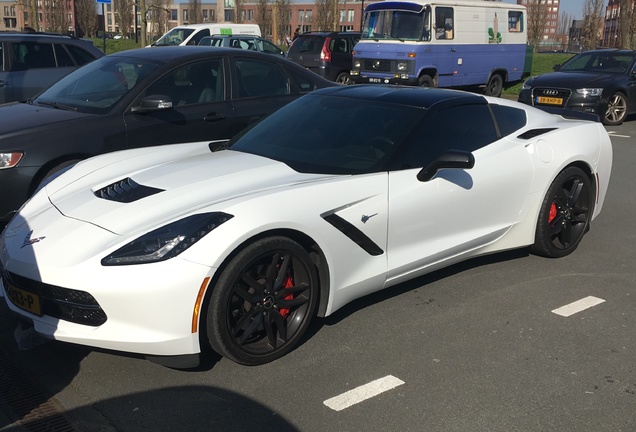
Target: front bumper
x=591, y=105
x=378, y=79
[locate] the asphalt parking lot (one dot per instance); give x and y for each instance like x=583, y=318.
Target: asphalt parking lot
x=509, y=342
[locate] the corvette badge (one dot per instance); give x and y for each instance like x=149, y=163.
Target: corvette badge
x=29, y=241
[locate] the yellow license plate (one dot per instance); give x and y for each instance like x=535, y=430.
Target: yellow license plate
x=23, y=299
x=549, y=100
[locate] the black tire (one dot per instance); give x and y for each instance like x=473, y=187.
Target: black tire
x=494, y=86
x=344, y=78
x=616, y=110
x=263, y=302
x=565, y=214
x=426, y=81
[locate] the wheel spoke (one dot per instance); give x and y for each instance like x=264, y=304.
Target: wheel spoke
x=575, y=193
x=282, y=273
x=254, y=325
x=254, y=284
x=272, y=271
x=243, y=320
x=292, y=303
x=246, y=295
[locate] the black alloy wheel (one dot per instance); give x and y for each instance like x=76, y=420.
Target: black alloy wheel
x=565, y=214
x=344, y=78
x=263, y=302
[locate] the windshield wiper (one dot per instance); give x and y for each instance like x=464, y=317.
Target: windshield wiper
x=57, y=106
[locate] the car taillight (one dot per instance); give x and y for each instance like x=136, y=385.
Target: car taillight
x=325, y=54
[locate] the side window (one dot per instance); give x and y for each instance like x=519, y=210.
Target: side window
x=444, y=23
x=465, y=127
x=32, y=55
x=194, y=83
x=198, y=36
x=260, y=78
x=508, y=119
x=80, y=55
x=63, y=57
x=270, y=48
x=302, y=83
x=1, y=57
x=339, y=45
x=515, y=21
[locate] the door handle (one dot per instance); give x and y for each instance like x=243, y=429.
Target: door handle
x=214, y=117
x=4, y=83
x=452, y=50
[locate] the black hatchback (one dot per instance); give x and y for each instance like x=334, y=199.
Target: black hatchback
x=140, y=98
x=329, y=54
x=601, y=82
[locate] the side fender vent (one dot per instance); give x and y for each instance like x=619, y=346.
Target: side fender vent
x=533, y=133
x=126, y=191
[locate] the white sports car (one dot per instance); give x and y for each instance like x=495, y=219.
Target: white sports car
x=236, y=246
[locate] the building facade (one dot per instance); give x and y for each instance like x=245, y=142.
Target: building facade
x=610, y=25
x=550, y=34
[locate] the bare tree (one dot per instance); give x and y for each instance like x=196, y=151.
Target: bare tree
x=323, y=15
x=57, y=12
x=283, y=26
x=538, y=16
x=627, y=25
x=238, y=6
x=264, y=16
x=86, y=18
x=565, y=20
x=195, y=14
x=592, y=22
x=124, y=16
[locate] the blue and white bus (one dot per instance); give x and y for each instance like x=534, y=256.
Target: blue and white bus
x=443, y=43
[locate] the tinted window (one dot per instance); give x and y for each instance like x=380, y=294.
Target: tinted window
x=269, y=47
x=32, y=55
x=340, y=135
x=80, y=55
x=200, y=82
x=508, y=119
x=465, y=127
x=198, y=36
x=303, y=84
x=308, y=45
x=260, y=78
x=62, y=56
x=1, y=57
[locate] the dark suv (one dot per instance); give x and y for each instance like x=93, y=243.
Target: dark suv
x=326, y=53
x=31, y=62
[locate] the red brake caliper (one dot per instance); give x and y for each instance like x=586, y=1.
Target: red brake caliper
x=553, y=212
x=289, y=282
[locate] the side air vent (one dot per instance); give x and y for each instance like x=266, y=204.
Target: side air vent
x=126, y=191
x=533, y=133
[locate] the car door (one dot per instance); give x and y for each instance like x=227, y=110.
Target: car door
x=201, y=107
x=458, y=210
x=260, y=88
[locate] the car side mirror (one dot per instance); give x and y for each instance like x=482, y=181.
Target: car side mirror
x=153, y=103
x=457, y=159
x=556, y=67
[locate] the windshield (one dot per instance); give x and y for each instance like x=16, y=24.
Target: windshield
x=397, y=25
x=330, y=134
x=174, y=37
x=603, y=61
x=96, y=87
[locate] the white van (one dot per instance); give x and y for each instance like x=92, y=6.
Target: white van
x=191, y=34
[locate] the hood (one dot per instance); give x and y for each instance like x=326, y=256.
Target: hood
x=570, y=80
x=18, y=117
x=128, y=191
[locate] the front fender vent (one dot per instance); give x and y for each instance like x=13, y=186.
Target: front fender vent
x=126, y=191
x=533, y=133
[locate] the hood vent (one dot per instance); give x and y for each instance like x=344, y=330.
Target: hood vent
x=126, y=191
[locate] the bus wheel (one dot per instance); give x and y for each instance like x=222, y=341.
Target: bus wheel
x=494, y=86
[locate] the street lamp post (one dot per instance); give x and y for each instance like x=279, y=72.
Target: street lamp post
x=361, y=14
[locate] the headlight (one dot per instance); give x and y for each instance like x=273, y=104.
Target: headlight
x=9, y=160
x=590, y=91
x=525, y=86
x=401, y=66
x=357, y=64
x=168, y=241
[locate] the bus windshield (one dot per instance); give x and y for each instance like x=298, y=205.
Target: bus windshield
x=392, y=24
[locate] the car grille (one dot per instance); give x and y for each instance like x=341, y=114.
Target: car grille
x=550, y=96
x=66, y=304
x=373, y=65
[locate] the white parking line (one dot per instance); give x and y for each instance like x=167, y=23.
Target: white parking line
x=578, y=306
x=362, y=393
x=614, y=134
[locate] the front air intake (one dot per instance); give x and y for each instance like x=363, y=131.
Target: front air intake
x=126, y=191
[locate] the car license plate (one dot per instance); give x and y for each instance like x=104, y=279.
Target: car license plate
x=549, y=100
x=23, y=299
x=375, y=80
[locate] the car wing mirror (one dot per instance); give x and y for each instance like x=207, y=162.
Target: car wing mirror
x=153, y=103
x=556, y=67
x=453, y=159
